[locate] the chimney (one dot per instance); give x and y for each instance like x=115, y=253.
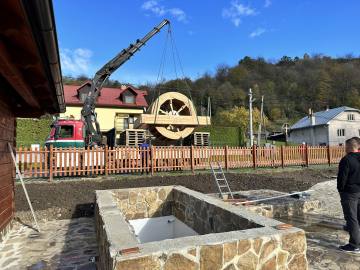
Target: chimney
x=312, y=117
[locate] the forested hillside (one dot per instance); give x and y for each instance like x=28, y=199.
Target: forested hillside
x=291, y=85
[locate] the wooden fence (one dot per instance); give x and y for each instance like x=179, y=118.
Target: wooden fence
x=62, y=162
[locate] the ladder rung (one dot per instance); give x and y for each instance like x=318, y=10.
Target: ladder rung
x=223, y=186
x=220, y=179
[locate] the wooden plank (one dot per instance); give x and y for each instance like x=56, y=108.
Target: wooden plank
x=6, y=190
x=149, y=119
x=5, y=217
x=6, y=179
x=6, y=202
x=6, y=169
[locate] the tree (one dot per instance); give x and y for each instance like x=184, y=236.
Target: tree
x=323, y=88
x=238, y=117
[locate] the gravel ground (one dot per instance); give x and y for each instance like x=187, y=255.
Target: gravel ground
x=74, y=198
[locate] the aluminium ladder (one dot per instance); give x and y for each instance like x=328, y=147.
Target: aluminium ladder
x=221, y=181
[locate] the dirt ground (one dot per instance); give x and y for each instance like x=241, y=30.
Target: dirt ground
x=75, y=198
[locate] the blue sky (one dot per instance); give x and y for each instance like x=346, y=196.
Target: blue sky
x=207, y=33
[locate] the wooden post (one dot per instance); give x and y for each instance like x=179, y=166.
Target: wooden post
x=254, y=156
x=329, y=155
x=226, y=158
x=192, y=159
x=306, y=155
x=106, y=152
x=152, y=152
x=51, y=163
x=282, y=156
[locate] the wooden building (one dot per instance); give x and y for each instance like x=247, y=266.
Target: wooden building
x=30, y=81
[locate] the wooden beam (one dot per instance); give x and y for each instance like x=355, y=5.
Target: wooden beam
x=180, y=120
x=15, y=78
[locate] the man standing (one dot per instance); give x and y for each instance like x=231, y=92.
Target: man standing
x=348, y=185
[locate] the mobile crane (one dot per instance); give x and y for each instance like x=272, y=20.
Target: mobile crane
x=83, y=132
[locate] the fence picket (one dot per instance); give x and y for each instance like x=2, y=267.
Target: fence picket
x=72, y=161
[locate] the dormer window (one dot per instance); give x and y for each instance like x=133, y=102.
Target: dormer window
x=351, y=117
x=83, y=91
x=128, y=97
x=82, y=96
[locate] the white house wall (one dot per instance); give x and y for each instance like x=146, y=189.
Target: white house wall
x=328, y=134
x=316, y=135
x=341, y=122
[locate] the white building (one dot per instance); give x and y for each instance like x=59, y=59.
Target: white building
x=330, y=127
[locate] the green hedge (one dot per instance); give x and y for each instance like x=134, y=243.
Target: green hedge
x=32, y=131
x=221, y=136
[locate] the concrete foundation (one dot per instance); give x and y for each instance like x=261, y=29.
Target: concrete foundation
x=160, y=228
x=228, y=237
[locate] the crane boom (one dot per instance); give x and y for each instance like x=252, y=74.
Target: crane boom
x=93, y=136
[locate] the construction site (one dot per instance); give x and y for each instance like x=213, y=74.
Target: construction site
x=131, y=182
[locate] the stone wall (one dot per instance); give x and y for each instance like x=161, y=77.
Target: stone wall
x=288, y=209
x=165, y=201
x=144, y=202
x=237, y=240
x=282, y=252
x=206, y=218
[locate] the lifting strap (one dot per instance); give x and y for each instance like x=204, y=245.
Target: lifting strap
x=177, y=64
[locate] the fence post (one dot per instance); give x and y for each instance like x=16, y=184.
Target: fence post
x=152, y=152
x=192, y=159
x=51, y=163
x=329, y=155
x=226, y=158
x=106, y=166
x=254, y=156
x=306, y=155
x=282, y=156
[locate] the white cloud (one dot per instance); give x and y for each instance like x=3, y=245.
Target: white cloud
x=258, y=32
x=155, y=8
x=76, y=61
x=236, y=11
x=267, y=3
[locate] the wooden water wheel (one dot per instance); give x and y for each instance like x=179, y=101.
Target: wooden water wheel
x=172, y=116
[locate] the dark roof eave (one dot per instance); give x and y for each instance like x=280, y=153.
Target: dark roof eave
x=41, y=18
x=308, y=127
x=110, y=106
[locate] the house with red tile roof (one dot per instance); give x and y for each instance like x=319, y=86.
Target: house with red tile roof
x=116, y=107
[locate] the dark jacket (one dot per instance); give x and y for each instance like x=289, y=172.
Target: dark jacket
x=348, y=179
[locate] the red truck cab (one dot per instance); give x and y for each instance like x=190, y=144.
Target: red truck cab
x=66, y=133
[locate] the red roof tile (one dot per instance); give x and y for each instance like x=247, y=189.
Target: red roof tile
x=109, y=97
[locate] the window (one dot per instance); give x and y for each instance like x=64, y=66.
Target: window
x=131, y=119
x=126, y=123
x=128, y=97
x=82, y=97
x=341, y=132
x=84, y=91
x=65, y=131
x=351, y=117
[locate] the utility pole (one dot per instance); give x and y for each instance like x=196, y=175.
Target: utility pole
x=285, y=127
x=251, y=119
x=261, y=120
